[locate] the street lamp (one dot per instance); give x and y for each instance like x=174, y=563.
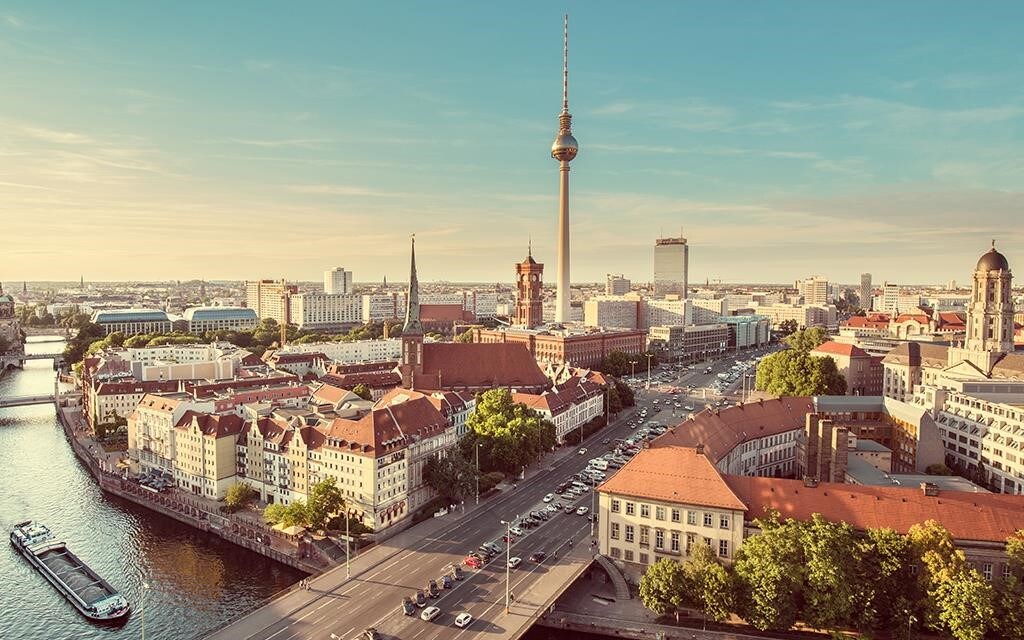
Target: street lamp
x=593, y=514
x=348, y=541
x=633, y=364
x=142, y=608
x=508, y=558
x=649, y=356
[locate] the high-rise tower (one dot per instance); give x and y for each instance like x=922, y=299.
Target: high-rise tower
x=564, y=149
x=412, y=330
x=530, y=292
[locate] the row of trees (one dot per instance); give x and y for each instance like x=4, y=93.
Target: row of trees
x=831, y=578
x=619, y=363
x=325, y=501
x=795, y=372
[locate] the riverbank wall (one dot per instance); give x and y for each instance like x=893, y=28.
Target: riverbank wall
x=243, y=533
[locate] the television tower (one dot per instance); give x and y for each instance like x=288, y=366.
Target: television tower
x=564, y=149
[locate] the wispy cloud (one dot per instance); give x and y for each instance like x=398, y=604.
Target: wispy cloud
x=304, y=143
x=58, y=137
x=344, y=190
x=14, y=21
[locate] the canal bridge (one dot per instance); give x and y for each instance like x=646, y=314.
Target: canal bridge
x=25, y=401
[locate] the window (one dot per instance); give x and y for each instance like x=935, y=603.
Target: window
x=676, y=515
x=615, y=531
x=630, y=508
x=616, y=552
x=986, y=570
x=723, y=548
x=659, y=539
x=723, y=522
x=691, y=517
x=675, y=542
x=629, y=533
x=1006, y=570
x=645, y=511
x=645, y=536
x=659, y=513
x=615, y=506
x=629, y=555
x=707, y=519
x=690, y=539
x=643, y=558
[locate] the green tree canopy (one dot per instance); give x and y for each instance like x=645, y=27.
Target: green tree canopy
x=274, y=513
x=794, y=373
x=363, y=391
x=510, y=434
x=888, y=594
x=786, y=327
x=1009, y=598
x=709, y=586
x=625, y=392
x=832, y=588
x=452, y=476
x=616, y=363
x=465, y=337
x=325, y=501
x=806, y=340
x=966, y=604
x=238, y=496
x=663, y=586
x=770, y=571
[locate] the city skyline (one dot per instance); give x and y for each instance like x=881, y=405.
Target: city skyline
x=202, y=144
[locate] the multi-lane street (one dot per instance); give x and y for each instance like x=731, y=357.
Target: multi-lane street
x=340, y=608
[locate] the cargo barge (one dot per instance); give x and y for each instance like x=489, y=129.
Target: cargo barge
x=88, y=592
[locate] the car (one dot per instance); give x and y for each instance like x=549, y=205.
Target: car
x=430, y=613
x=408, y=608
x=549, y=497
x=568, y=509
x=552, y=508
x=463, y=619
x=486, y=551
x=370, y=633
x=606, y=441
x=421, y=599
x=432, y=589
x=544, y=514
x=514, y=562
x=582, y=511
x=516, y=531
x=508, y=539
x=538, y=556
x=447, y=582
x=592, y=517
x=473, y=562
x=582, y=451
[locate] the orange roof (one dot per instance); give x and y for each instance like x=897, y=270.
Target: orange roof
x=212, y=424
x=398, y=416
x=987, y=517
x=451, y=365
x=673, y=474
x=840, y=349
x=721, y=431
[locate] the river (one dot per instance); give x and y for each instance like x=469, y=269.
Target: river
x=196, y=581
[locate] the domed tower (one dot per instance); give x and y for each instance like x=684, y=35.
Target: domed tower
x=564, y=149
x=990, y=312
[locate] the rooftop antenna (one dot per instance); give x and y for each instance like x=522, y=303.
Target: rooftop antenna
x=529, y=246
x=565, y=67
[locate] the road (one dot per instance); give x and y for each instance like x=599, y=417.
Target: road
x=341, y=609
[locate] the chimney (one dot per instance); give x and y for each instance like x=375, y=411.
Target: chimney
x=700, y=449
x=810, y=482
x=930, y=489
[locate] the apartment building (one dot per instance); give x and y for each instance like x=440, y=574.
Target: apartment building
x=325, y=311
x=568, y=405
x=270, y=298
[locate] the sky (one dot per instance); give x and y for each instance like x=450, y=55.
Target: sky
x=168, y=140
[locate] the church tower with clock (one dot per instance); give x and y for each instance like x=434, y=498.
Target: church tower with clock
x=530, y=293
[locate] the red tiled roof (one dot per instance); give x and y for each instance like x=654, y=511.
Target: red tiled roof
x=372, y=379
x=721, y=431
x=398, y=416
x=917, y=353
x=123, y=388
x=673, y=474
x=477, y=365
x=207, y=389
x=361, y=367
x=987, y=517
x=330, y=394
x=840, y=349
x=216, y=425
x=872, y=321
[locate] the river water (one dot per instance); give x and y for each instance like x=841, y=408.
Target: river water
x=196, y=581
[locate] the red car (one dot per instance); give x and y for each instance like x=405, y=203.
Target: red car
x=508, y=539
x=473, y=562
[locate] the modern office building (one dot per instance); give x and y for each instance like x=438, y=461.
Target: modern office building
x=269, y=298
x=616, y=285
x=865, y=291
x=325, y=311
x=671, y=266
x=337, y=280
x=814, y=290
x=201, y=319
x=131, y=322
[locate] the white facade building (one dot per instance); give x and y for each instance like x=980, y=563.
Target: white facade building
x=329, y=311
x=352, y=352
x=337, y=280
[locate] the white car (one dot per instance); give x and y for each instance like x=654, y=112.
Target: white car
x=552, y=508
x=583, y=451
x=514, y=562
x=549, y=497
x=430, y=613
x=516, y=531
x=582, y=511
x=463, y=620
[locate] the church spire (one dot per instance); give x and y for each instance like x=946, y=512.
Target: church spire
x=412, y=312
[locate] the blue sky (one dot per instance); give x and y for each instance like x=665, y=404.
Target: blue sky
x=180, y=140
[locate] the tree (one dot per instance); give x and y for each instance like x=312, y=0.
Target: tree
x=238, y=496
x=512, y=435
x=938, y=469
x=5, y=345
x=274, y=513
x=616, y=364
x=966, y=604
x=295, y=515
x=888, y=596
x=709, y=586
x=806, y=340
x=770, y=570
x=933, y=548
x=625, y=393
x=325, y=500
x=613, y=400
x=465, y=337
x=794, y=373
x=786, y=327
x=663, y=586
x=363, y=391
x=452, y=476
x=831, y=584
x=1009, y=596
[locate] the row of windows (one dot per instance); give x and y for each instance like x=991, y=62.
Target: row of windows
x=692, y=517
x=723, y=551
